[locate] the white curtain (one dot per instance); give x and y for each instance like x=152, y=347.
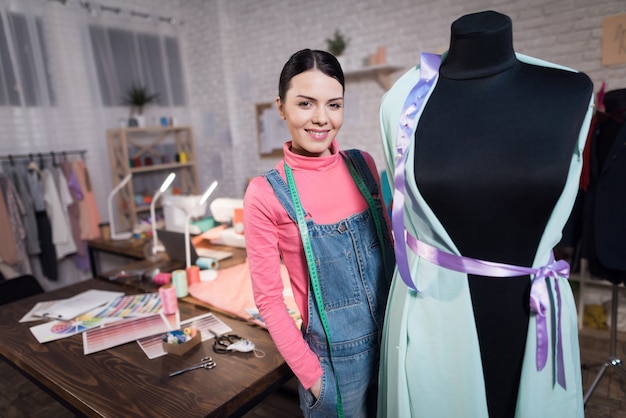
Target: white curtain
x=27, y=95
x=124, y=48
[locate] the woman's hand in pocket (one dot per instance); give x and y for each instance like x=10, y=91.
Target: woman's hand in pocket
x=316, y=388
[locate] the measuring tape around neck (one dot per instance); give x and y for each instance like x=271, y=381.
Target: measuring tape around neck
x=310, y=258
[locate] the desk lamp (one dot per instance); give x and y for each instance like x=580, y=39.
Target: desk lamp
x=202, y=200
x=168, y=181
x=114, y=234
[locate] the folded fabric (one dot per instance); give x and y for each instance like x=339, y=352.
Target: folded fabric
x=231, y=292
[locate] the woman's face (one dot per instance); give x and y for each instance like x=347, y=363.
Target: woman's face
x=313, y=109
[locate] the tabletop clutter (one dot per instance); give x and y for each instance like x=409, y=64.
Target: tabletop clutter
x=107, y=319
x=179, y=342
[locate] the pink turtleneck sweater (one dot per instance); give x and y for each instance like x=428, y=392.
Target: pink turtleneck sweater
x=328, y=194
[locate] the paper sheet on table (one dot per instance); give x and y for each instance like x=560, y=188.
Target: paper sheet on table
x=70, y=308
x=123, y=307
x=35, y=313
x=127, y=330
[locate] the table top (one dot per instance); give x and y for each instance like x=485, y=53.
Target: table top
x=133, y=248
x=129, y=247
x=123, y=382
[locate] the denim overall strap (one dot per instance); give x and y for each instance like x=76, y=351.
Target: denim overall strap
x=281, y=190
x=364, y=179
x=358, y=161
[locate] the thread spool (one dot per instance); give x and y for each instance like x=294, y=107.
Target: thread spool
x=169, y=301
x=193, y=275
x=207, y=263
x=208, y=275
x=179, y=280
x=162, y=278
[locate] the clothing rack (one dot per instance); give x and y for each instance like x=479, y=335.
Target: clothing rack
x=41, y=155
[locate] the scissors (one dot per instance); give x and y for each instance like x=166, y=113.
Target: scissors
x=205, y=363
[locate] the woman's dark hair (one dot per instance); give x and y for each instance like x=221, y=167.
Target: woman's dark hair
x=305, y=60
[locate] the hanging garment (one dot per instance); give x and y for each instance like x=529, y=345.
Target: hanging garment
x=8, y=243
x=12, y=244
x=48, y=256
x=604, y=202
x=88, y=207
x=72, y=209
x=17, y=175
x=57, y=202
x=431, y=362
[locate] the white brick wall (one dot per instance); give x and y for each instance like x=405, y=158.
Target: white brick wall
x=258, y=36
x=233, y=51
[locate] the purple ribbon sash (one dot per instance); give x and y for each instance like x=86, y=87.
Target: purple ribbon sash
x=539, y=294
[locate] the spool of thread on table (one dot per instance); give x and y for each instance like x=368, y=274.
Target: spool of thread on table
x=206, y=263
x=193, y=275
x=179, y=280
x=162, y=278
x=169, y=301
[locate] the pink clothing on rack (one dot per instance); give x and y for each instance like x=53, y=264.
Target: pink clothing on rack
x=88, y=207
x=328, y=194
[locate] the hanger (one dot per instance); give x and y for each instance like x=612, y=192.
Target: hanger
x=32, y=165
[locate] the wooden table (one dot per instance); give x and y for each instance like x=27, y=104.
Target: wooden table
x=130, y=248
x=123, y=382
x=134, y=249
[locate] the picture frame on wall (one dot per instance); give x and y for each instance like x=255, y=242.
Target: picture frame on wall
x=272, y=131
x=614, y=40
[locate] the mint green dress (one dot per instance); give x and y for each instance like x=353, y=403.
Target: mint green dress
x=430, y=359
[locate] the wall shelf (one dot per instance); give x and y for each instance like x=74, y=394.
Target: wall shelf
x=160, y=167
x=381, y=73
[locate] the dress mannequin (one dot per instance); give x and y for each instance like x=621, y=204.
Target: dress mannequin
x=495, y=165
x=512, y=127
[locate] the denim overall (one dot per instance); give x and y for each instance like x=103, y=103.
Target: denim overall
x=354, y=287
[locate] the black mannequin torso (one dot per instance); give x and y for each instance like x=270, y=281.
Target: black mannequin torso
x=492, y=153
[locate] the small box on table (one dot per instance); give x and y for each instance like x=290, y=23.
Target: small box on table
x=181, y=348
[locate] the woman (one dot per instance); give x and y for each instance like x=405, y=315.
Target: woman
x=348, y=242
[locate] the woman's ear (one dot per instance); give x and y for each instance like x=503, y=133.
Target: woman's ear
x=279, y=107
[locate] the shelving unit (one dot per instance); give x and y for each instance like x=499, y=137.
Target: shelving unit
x=149, y=154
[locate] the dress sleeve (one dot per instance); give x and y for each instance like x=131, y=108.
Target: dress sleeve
x=261, y=223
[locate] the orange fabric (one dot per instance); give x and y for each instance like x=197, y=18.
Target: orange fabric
x=211, y=234
x=231, y=292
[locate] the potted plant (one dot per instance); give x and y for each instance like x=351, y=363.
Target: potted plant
x=337, y=44
x=137, y=97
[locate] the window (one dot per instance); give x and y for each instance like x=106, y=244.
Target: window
x=124, y=58
x=24, y=75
